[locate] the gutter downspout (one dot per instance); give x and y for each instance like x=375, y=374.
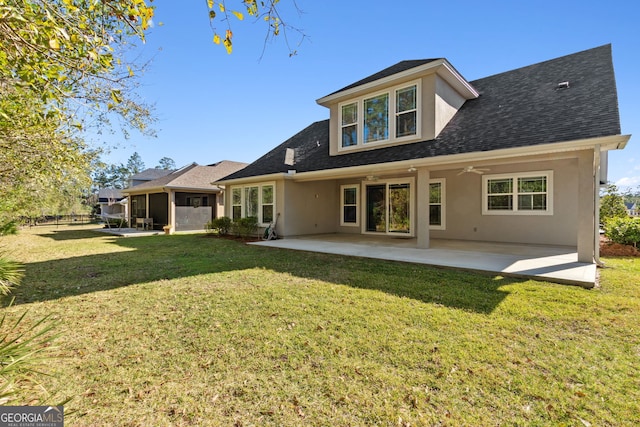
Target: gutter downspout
x=596, y=206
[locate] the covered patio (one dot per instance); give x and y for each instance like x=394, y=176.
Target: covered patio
x=558, y=264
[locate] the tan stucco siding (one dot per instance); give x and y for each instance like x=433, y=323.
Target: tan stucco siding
x=465, y=221
x=447, y=103
x=310, y=208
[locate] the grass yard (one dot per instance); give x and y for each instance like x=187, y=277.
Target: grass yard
x=189, y=330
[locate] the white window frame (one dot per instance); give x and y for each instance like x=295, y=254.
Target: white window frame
x=412, y=205
x=242, y=189
x=514, y=194
x=233, y=204
x=348, y=124
x=391, y=117
x=443, y=204
x=357, y=205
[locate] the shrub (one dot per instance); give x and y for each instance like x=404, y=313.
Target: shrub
x=221, y=225
x=21, y=346
x=245, y=227
x=10, y=274
x=625, y=231
x=8, y=228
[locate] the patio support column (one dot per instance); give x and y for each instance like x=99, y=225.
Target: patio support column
x=586, y=207
x=172, y=209
x=422, y=216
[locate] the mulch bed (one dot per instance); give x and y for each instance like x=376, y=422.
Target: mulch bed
x=234, y=237
x=608, y=248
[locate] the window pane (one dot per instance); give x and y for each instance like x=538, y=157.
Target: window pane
x=267, y=194
x=532, y=202
x=406, y=124
x=376, y=118
x=497, y=203
x=399, y=220
x=237, y=212
x=349, y=114
x=267, y=213
x=349, y=214
x=500, y=186
x=539, y=202
x=406, y=99
x=237, y=196
x=525, y=202
x=435, y=192
x=376, y=208
x=251, y=201
x=349, y=196
x=532, y=185
x=349, y=136
x=435, y=215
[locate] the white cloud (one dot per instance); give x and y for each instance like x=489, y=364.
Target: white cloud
x=628, y=182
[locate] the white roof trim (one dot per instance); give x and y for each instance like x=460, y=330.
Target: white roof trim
x=440, y=66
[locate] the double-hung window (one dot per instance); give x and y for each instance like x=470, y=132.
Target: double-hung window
x=406, y=112
x=436, y=204
x=253, y=200
x=349, y=124
x=236, y=203
x=381, y=118
x=349, y=201
x=518, y=194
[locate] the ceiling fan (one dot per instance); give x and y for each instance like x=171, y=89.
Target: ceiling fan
x=467, y=169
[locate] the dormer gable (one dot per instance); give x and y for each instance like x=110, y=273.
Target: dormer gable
x=408, y=102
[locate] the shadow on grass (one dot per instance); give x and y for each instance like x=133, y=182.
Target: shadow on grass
x=65, y=234
x=153, y=258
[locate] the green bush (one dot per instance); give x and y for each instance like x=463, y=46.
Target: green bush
x=8, y=228
x=245, y=227
x=10, y=274
x=221, y=225
x=21, y=346
x=625, y=231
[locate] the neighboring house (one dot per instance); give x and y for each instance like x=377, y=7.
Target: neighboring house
x=185, y=198
x=417, y=151
x=147, y=175
x=112, y=203
x=632, y=209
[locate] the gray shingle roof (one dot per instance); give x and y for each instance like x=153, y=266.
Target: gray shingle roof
x=149, y=174
x=518, y=108
x=389, y=71
x=192, y=176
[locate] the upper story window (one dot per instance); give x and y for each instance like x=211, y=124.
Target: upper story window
x=376, y=118
x=385, y=117
x=406, y=112
x=349, y=130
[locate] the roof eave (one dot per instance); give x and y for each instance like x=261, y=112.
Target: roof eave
x=254, y=178
x=614, y=142
x=440, y=66
x=169, y=187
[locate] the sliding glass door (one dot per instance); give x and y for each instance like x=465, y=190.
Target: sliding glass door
x=388, y=207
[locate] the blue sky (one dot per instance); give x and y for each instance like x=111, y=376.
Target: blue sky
x=212, y=106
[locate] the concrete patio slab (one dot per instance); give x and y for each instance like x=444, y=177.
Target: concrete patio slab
x=556, y=264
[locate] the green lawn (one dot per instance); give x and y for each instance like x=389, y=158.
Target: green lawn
x=194, y=330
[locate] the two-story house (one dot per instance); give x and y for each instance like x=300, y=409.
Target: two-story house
x=417, y=151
